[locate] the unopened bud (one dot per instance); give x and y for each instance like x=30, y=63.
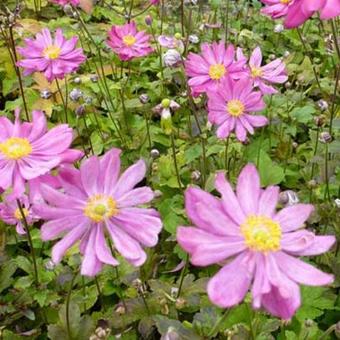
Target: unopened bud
x=323, y=105
x=325, y=137
x=148, y=20
x=154, y=153
x=196, y=175
x=144, y=98
x=45, y=94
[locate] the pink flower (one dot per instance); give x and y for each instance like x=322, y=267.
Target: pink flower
x=274, y=72
x=154, y=2
x=302, y=10
x=28, y=150
x=66, y=2
x=97, y=201
x=170, y=42
x=128, y=43
x=230, y=106
x=259, y=243
x=212, y=66
x=11, y=214
x=276, y=8
x=55, y=57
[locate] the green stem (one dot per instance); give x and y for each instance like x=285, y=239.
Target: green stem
x=99, y=292
x=227, y=22
x=310, y=58
x=173, y=147
x=68, y=300
x=148, y=129
x=181, y=278
x=335, y=37
x=62, y=99
x=226, y=153
x=327, y=194
x=328, y=332
x=29, y=237
x=218, y=324
x=337, y=78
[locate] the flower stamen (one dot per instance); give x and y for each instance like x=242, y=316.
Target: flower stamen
x=18, y=215
x=217, y=71
x=235, y=107
x=16, y=148
x=261, y=233
x=129, y=40
x=99, y=207
x=256, y=72
x=52, y=52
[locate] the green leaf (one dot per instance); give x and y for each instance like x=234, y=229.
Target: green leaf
x=303, y=114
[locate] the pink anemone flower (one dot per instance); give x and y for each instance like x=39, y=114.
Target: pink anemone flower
x=96, y=201
x=10, y=213
x=274, y=72
x=302, y=10
x=29, y=150
x=276, y=8
x=54, y=57
x=66, y=2
x=256, y=246
x=230, y=108
x=128, y=43
x=208, y=69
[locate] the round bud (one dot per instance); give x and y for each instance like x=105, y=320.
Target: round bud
x=45, y=94
x=325, y=137
x=77, y=80
x=195, y=175
x=148, y=20
x=166, y=103
x=154, y=153
x=144, y=98
x=75, y=95
x=178, y=36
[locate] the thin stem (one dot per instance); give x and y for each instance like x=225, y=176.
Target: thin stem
x=327, y=194
x=99, y=292
x=62, y=99
x=226, y=153
x=148, y=129
x=84, y=291
x=309, y=56
x=29, y=237
x=68, y=300
x=182, y=18
x=88, y=133
x=328, y=332
x=173, y=147
x=141, y=12
x=204, y=172
x=218, y=323
x=337, y=78
x=313, y=165
x=335, y=37
x=17, y=70
x=227, y=22
x=181, y=278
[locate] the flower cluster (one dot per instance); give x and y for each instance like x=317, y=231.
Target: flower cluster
x=234, y=86
x=296, y=12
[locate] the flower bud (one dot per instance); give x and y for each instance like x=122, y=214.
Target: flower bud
x=279, y=28
x=166, y=121
x=319, y=120
x=45, y=94
x=337, y=203
x=323, y=105
x=178, y=36
x=80, y=110
x=148, y=20
x=195, y=175
x=288, y=197
x=325, y=137
x=154, y=153
x=50, y=265
x=144, y=98
x=75, y=95
x=286, y=54
x=94, y=78
x=77, y=80
x=172, y=58
x=288, y=85
x=194, y=39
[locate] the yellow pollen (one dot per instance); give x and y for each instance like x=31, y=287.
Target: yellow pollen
x=51, y=52
x=235, y=107
x=15, y=148
x=285, y=2
x=217, y=71
x=17, y=213
x=99, y=207
x=261, y=233
x=129, y=40
x=256, y=72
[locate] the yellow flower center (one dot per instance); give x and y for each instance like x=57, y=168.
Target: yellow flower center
x=17, y=213
x=285, y=2
x=51, y=52
x=217, y=71
x=99, y=207
x=16, y=148
x=235, y=107
x=129, y=40
x=256, y=72
x=261, y=233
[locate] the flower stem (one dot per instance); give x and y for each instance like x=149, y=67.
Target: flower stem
x=335, y=37
x=173, y=147
x=327, y=332
x=29, y=237
x=218, y=324
x=226, y=154
x=337, y=78
x=327, y=194
x=68, y=300
x=310, y=58
x=181, y=278
x=62, y=99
